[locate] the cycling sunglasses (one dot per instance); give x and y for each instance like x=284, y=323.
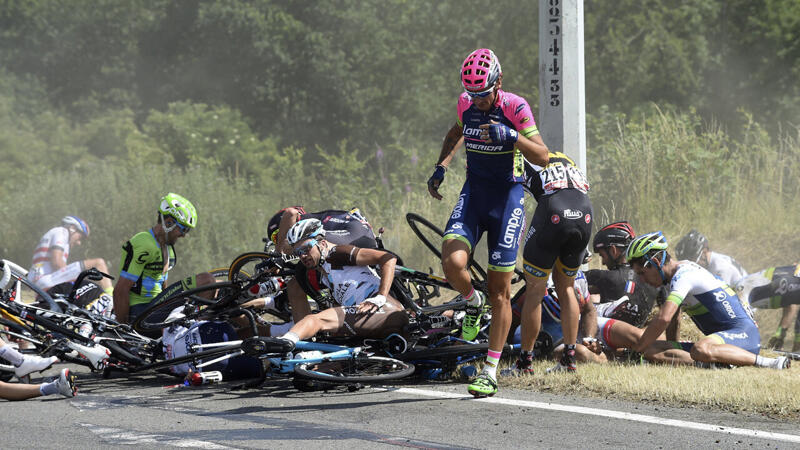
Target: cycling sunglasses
x=184, y=229
x=305, y=248
x=483, y=94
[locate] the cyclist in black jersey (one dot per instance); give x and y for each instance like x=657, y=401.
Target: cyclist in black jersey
x=341, y=227
x=771, y=288
x=621, y=296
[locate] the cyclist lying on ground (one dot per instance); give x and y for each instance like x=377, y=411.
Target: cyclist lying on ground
x=365, y=307
x=775, y=287
x=24, y=365
x=732, y=336
x=341, y=227
x=89, y=295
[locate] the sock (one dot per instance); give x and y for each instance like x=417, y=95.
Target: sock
x=525, y=355
x=763, y=361
x=492, y=359
x=291, y=336
x=49, y=388
x=109, y=290
x=473, y=299
x=277, y=330
x=269, y=302
x=779, y=333
x=10, y=354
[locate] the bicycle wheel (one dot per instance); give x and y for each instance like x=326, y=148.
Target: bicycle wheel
x=156, y=317
x=445, y=353
x=248, y=265
x=429, y=234
x=221, y=273
x=359, y=369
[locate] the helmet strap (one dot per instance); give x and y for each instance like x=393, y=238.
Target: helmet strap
x=164, y=225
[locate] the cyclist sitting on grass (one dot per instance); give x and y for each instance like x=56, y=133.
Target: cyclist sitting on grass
x=50, y=266
x=365, y=307
x=149, y=255
x=621, y=297
x=732, y=336
x=341, y=227
x=775, y=287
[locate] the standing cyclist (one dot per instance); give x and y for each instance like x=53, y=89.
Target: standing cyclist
x=50, y=267
x=499, y=133
x=557, y=238
x=148, y=256
x=694, y=247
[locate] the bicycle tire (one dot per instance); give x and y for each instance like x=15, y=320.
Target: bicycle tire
x=359, y=369
x=415, y=221
x=154, y=318
x=243, y=266
x=221, y=273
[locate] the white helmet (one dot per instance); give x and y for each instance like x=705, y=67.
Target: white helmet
x=304, y=229
x=75, y=221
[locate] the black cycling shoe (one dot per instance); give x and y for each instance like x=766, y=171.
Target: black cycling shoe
x=258, y=345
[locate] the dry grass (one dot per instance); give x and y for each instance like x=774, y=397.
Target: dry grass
x=774, y=393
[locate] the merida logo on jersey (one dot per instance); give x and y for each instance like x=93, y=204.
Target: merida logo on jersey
x=514, y=222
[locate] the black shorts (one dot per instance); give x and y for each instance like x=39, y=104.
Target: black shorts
x=559, y=233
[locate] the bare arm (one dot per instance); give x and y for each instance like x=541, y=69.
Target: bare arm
x=674, y=327
x=657, y=326
x=533, y=149
x=452, y=141
x=122, y=292
x=588, y=322
x=290, y=217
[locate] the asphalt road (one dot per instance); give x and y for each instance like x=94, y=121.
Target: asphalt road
x=142, y=411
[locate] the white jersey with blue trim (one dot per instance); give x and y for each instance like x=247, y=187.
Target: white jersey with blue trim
x=710, y=302
x=726, y=268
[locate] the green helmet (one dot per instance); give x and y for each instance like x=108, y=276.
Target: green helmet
x=646, y=244
x=178, y=208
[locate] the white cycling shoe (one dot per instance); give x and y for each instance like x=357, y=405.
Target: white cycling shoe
x=97, y=355
x=33, y=363
x=66, y=384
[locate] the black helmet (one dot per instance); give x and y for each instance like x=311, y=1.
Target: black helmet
x=617, y=234
x=691, y=246
x=275, y=223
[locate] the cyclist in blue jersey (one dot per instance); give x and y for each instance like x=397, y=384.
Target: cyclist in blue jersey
x=499, y=133
x=732, y=336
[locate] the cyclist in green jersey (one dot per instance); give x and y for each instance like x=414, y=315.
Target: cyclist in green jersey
x=143, y=272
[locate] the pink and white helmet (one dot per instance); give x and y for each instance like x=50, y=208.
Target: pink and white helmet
x=480, y=70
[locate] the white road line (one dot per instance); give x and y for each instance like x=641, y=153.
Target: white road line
x=127, y=437
x=610, y=414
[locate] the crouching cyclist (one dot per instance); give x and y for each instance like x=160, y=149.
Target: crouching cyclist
x=366, y=308
x=732, y=336
x=772, y=288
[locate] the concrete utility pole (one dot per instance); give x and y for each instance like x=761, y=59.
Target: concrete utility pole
x=562, y=89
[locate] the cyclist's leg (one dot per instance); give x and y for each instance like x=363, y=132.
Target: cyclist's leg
x=618, y=334
x=65, y=274
x=16, y=391
x=390, y=319
x=669, y=352
x=738, y=347
x=461, y=234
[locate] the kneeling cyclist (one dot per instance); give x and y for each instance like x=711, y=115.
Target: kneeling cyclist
x=365, y=307
x=732, y=336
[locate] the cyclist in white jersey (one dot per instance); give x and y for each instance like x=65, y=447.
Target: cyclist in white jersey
x=694, y=247
x=50, y=267
x=732, y=336
x=365, y=307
